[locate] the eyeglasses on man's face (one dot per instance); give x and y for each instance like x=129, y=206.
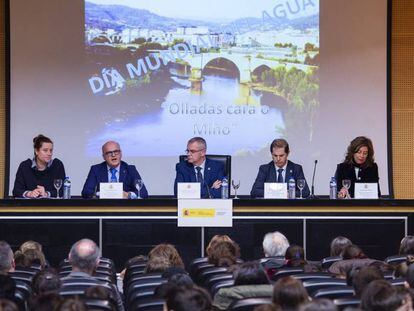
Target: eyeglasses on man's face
x=192, y=151
x=112, y=153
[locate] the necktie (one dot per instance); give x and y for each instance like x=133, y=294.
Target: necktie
x=279, y=175
x=199, y=175
x=113, y=174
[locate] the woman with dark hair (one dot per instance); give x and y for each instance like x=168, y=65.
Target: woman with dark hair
x=224, y=254
x=250, y=281
x=34, y=177
x=295, y=258
x=289, y=293
x=359, y=166
x=338, y=244
x=407, y=246
x=188, y=299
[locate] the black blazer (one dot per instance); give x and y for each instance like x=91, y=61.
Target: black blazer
x=267, y=173
x=365, y=175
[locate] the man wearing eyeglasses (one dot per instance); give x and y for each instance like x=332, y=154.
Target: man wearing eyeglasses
x=198, y=168
x=113, y=170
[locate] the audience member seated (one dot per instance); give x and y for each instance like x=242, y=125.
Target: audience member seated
x=380, y=295
x=71, y=304
x=250, y=281
x=338, y=245
x=33, y=250
x=321, y=304
x=169, y=252
x=224, y=254
x=8, y=305
x=157, y=265
x=407, y=246
x=274, y=245
x=295, y=258
x=45, y=281
x=192, y=299
x=360, y=278
x=353, y=257
x=178, y=280
x=6, y=258
x=215, y=240
x=267, y=307
x=289, y=293
x=84, y=258
x=45, y=302
x=97, y=292
x=7, y=287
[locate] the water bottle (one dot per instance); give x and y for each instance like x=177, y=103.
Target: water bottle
x=224, y=188
x=333, y=191
x=291, y=188
x=66, y=188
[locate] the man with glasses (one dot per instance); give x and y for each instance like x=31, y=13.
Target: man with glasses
x=198, y=168
x=113, y=170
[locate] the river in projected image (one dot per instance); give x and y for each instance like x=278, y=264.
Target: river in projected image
x=240, y=119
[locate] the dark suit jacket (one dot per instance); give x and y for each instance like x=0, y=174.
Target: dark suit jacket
x=365, y=175
x=213, y=170
x=267, y=173
x=99, y=173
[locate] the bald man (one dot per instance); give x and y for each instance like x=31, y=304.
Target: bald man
x=113, y=170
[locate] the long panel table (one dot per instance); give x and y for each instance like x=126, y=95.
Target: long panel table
x=125, y=228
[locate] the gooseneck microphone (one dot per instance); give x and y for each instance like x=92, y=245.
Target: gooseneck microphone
x=312, y=195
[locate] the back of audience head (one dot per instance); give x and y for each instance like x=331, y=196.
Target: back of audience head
x=224, y=254
x=84, y=256
x=21, y=260
x=267, y=307
x=6, y=258
x=7, y=287
x=168, y=252
x=46, y=280
x=380, y=295
x=97, y=292
x=338, y=245
x=45, y=302
x=289, y=293
x=35, y=257
x=410, y=275
x=175, y=282
x=250, y=273
x=407, y=245
x=319, y=305
x=72, y=304
x=191, y=299
x=217, y=239
x=363, y=276
x=8, y=305
x=30, y=245
x=353, y=252
x=275, y=244
x=157, y=265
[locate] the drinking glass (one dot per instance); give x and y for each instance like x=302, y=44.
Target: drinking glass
x=301, y=186
x=236, y=185
x=346, y=183
x=57, y=183
x=138, y=184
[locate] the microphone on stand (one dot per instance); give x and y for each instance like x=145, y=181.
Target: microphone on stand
x=312, y=195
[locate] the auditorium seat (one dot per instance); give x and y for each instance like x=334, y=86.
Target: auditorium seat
x=313, y=285
x=395, y=260
x=195, y=263
x=313, y=275
x=99, y=304
x=136, y=288
x=149, y=304
x=343, y=303
x=23, y=276
x=398, y=282
x=249, y=304
x=328, y=261
x=285, y=272
x=214, y=279
x=334, y=292
x=205, y=274
x=222, y=284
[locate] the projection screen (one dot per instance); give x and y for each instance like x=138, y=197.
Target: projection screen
x=152, y=74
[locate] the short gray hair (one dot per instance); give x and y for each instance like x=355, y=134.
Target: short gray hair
x=84, y=255
x=275, y=244
x=6, y=257
x=199, y=140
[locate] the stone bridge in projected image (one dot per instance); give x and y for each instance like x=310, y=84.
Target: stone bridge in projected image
x=246, y=64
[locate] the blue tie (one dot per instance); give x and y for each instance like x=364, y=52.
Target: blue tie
x=279, y=175
x=199, y=175
x=113, y=174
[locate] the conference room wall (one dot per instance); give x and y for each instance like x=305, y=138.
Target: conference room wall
x=402, y=98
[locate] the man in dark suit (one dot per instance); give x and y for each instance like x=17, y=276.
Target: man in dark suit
x=113, y=170
x=279, y=170
x=198, y=168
